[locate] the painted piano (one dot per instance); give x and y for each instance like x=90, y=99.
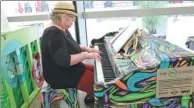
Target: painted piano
x=130, y=73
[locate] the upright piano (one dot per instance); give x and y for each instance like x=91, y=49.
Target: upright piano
x=139, y=70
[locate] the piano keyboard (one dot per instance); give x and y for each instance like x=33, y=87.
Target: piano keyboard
x=104, y=69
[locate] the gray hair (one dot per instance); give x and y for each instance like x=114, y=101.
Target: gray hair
x=56, y=16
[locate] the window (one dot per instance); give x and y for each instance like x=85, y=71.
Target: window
x=125, y=5
x=96, y=28
x=176, y=28
x=14, y=8
x=17, y=25
x=162, y=25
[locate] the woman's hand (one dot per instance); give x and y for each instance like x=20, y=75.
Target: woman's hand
x=93, y=56
x=90, y=50
x=93, y=50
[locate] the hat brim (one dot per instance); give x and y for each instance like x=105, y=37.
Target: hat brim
x=65, y=12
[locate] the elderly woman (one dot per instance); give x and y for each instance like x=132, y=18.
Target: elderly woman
x=62, y=56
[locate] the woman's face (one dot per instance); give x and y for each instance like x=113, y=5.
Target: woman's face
x=67, y=21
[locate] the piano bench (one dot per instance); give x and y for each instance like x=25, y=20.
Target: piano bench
x=69, y=95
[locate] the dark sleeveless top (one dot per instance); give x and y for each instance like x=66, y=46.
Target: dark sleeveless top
x=56, y=48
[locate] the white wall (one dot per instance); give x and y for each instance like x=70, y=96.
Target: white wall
x=4, y=22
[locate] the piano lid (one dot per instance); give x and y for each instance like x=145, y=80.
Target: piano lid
x=118, y=34
x=123, y=37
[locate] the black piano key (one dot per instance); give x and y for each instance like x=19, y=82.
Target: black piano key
x=107, y=68
x=107, y=76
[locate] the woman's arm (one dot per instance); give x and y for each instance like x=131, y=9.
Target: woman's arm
x=58, y=48
x=84, y=48
x=59, y=52
x=90, y=50
x=76, y=58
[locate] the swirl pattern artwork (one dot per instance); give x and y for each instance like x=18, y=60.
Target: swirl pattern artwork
x=136, y=87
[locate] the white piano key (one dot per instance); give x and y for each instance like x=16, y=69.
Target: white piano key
x=100, y=77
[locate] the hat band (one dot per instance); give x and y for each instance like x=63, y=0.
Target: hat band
x=64, y=9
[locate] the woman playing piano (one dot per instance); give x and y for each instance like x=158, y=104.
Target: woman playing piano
x=62, y=57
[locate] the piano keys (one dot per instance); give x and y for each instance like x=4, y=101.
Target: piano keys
x=136, y=71
x=105, y=71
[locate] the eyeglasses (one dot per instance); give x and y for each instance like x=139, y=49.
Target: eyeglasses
x=72, y=17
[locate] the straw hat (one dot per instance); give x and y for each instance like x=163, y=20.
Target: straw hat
x=64, y=7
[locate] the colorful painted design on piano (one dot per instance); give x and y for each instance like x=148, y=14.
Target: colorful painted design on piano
x=49, y=95
x=137, y=88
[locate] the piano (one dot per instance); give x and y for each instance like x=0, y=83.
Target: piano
x=130, y=72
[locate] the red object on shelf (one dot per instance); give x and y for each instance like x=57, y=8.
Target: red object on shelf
x=178, y=1
x=38, y=6
x=20, y=8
